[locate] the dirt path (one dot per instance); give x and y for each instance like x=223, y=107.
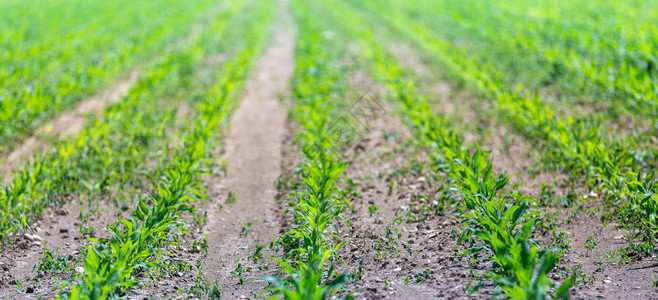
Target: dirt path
x=254, y=155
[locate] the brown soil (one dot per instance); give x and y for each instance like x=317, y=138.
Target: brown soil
x=513, y=155
x=59, y=232
x=607, y=278
x=422, y=263
x=425, y=246
x=254, y=155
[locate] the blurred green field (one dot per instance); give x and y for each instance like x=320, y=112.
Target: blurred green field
x=573, y=84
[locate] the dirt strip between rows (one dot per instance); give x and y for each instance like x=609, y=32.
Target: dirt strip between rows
x=515, y=155
x=254, y=155
x=420, y=263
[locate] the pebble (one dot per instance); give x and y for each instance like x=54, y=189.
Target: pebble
x=62, y=212
x=398, y=269
x=80, y=270
x=28, y=237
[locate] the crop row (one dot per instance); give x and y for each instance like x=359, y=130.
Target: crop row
x=499, y=221
x=572, y=43
x=580, y=147
x=138, y=244
x=110, y=157
x=51, y=63
x=317, y=201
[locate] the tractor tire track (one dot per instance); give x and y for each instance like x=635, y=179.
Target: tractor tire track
x=254, y=154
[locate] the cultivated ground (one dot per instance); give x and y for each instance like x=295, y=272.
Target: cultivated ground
x=302, y=138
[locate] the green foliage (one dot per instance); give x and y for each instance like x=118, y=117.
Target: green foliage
x=50, y=263
x=204, y=288
x=136, y=243
x=512, y=53
x=54, y=54
x=126, y=152
x=317, y=201
x=579, y=146
x=499, y=224
x=305, y=284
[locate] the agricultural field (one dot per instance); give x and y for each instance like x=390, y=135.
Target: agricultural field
x=328, y=149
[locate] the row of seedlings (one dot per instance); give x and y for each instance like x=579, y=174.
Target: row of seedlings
x=497, y=223
x=48, y=70
x=139, y=243
x=310, y=247
x=625, y=176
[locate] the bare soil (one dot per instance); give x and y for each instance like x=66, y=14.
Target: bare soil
x=593, y=248
x=59, y=232
x=421, y=263
x=514, y=155
x=254, y=149
x=394, y=194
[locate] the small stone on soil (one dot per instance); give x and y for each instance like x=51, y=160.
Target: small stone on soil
x=62, y=212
